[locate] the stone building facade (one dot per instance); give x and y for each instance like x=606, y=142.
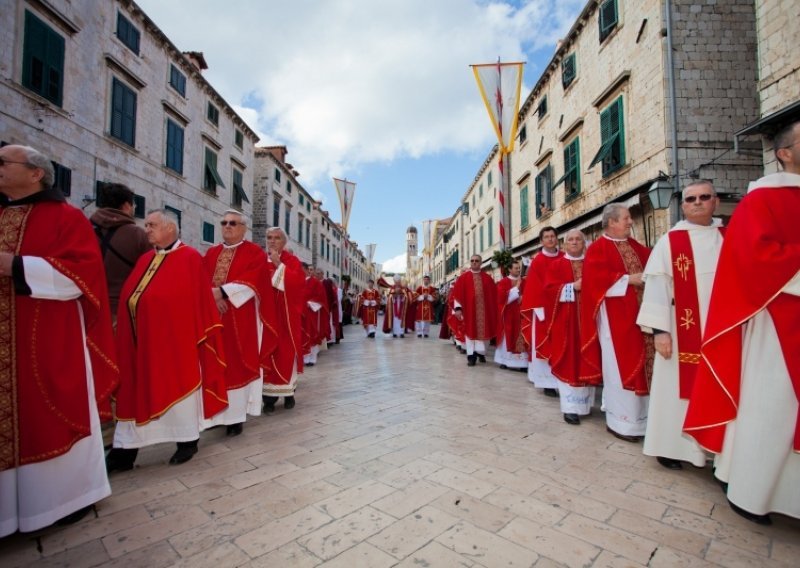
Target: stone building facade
x=99, y=88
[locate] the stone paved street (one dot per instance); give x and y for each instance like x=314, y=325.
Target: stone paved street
x=398, y=454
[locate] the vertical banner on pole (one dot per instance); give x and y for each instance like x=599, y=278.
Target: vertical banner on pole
x=500, y=85
x=370, y=250
x=346, y=191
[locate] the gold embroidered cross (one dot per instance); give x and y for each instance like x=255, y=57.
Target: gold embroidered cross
x=687, y=320
x=683, y=264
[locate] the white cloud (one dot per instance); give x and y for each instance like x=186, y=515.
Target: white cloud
x=396, y=264
x=347, y=83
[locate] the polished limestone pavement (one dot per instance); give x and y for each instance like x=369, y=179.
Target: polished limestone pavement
x=398, y=454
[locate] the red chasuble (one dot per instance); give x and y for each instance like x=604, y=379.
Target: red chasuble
x=169, y=337
x=43, y=400
x=424, y=308
x=606, y=262
x=243, y=264
x=476, y=293
x=541, y=264
x=759, y=256
x=563, y=334
x=396, y=305
x=509, y=322
x=368, y=314
x=315, y=324
x=286, y=313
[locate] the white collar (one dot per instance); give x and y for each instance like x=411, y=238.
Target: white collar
x=550, y=254
x=232, y=246
x=570, y=257
x=614, y=239
x=779, y=179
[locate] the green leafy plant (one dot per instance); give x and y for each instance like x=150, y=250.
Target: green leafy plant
x=503, y=259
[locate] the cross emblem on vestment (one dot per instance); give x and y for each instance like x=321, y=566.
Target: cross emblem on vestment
x=683, y=264
x=687, y=320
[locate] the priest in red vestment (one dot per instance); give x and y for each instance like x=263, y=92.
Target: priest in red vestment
x=333, y=298
x=58, y=365
x=397, y=304
x=744, y=404
x=283, y=362
x=316, y=316
x=424, y=297
x=612, y=345
x=535, y=319
x=512, y=350
x=475, y=303
x=562, y=299
x=171, y=353
x=367, y=308
x=237, y=268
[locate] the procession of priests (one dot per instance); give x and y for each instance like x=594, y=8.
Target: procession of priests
x=691, y=348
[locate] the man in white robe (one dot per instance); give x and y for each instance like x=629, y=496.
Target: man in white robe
x=674, y=363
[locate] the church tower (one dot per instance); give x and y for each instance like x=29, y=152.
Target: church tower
x=411, y=247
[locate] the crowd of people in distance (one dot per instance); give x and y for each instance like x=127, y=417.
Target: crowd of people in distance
x=695, y=343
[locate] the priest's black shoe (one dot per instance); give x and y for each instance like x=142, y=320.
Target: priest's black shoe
x=481, y=358
x=121, y=459
x=669, y=463
x=234, y=429
x=573, y=419
x=371, y=335
x=471, y=360
x=631, y=439
x=551, y=393
x=269, y=403
x=758, y=519
x=73, y=518
x=185, y=452
x=288, y=402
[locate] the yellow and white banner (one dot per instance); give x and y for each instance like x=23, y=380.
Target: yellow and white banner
x=346, y=190
x=500, y=85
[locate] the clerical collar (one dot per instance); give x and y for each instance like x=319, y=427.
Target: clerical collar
x=475, y=271
x=513, y=277
x=38, y=197
x=550, y=254
x=615, y=239
x=570, y=257
x=227, y=246
x=168, y=249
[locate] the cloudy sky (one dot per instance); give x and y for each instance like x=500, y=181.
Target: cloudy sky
x=376, y=91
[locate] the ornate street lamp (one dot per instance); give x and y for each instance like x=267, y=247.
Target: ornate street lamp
x=660, y=192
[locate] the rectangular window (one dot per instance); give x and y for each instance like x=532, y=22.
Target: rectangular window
x=568, y=70
x=123, y=112
x=174, y=158
x=308, y=233
x=301, y=198
x=43, y=60
x=308, y=206
x=127, y=33
x=239, y=195
x=139, y=207
x=541, y=110
x=523, y=134
x=490, y=231
x=544, y=191
x=177, y=213
x=277, y=175
x=177, y=80
x=288, y=186
x=608, y=18
x=276, y=213
x=62, y=179
x=489, y=177
x=480, y=229
x=322, y=246
x=208, y=232
x=480, y=190
x=300, y=229
x=288, y=221
x=211, y=177
x=572, y=172
x=474, y=241
x=524, y=218
x=238, y=138
x=212, y=114
x=612, y=134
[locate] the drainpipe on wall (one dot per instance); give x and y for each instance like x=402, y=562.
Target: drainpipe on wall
x=674, y=208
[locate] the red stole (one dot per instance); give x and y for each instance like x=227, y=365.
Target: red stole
x=285, y=311
x=243, y=264
x=169, y=337
x=43, y=392
x=606, y=262
x=509, y=320
x=396, y=306
x=687, y=310
x=759, y=256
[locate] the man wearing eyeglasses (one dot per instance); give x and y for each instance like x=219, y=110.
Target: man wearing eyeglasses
x=238, y=270
x=475, y=304
x=57, y=359
x=678, y=280
x=744, y=405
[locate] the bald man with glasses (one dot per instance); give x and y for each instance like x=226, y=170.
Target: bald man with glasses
x=678, y=280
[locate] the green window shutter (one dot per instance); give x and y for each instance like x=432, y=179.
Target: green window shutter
x=524, y=221
x=238, y=189
x=123, y=112
x=174, y=159
x=608, y=18
x=539, y=196
x=568, y=70
x=43, y=60
x=208, y=232
x=490, y=231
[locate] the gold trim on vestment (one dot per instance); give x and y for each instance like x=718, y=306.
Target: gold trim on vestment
x=147, y=278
